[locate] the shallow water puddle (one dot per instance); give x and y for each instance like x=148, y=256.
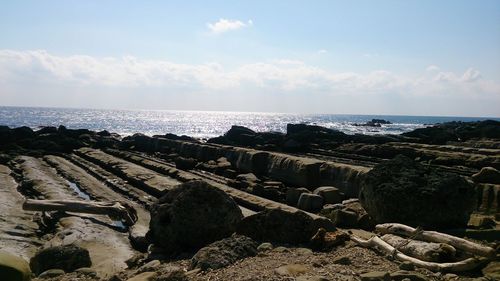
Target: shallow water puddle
x=78, y=191
x=119, y=224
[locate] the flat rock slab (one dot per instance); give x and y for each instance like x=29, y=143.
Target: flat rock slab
x=108, y=248
x=148, y=180
x=17, y=230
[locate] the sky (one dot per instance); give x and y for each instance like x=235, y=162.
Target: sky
x=439, y=58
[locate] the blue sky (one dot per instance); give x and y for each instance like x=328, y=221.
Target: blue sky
x=373, y=57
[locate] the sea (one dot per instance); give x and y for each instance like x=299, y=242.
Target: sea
x=205, y=124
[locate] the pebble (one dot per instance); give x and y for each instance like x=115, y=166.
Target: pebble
x=342, y=260
x=376, y=276
x=303, y=251
x=281, y=249
x=51, y=273
x=150, y=266
x=86, y=271
x=264, y=247
x=450, y=276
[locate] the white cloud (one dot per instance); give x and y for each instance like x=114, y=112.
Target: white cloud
x=471, y=75
x=322, y=51
x=432, y=68
x=21, y=68
x=224, y=25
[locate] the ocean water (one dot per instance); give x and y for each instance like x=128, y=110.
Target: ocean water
x=203, y=124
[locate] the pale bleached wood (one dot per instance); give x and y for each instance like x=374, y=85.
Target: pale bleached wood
x=426, y=251
x=376, y=242
x=115, y=210
x=437, y=237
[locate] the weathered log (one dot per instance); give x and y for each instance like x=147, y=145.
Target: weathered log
x=426, y=251
x=115, y=210
x=437, y=237
x=376, y=242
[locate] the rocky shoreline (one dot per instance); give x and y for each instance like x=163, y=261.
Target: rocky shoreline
x=248, y=205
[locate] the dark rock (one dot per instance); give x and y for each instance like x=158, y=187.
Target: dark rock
x=176, y=137
x=407, y=266
x=6, y=135
x=487, y=175
x=413, y=276
x=249, y=178
x=374, y=123
x=306, y=134
x=140, y=142
x=293, y=195
x=310, y=202
x=344, y=218
x=191, y=216
x=46, y=145
x=185, y=163
x=381, y=121
x=269, y=192
x=47, y=130
x=219, y=140
x=224, y=252
x=404, y=191
x=243, y=136
x=67, y=258
x=23, y=133
x=292, y=145
x=292, y=129
x=457, y=131
x=278, y=226
x=104, y=133
x=345, y=260
x=330, y=194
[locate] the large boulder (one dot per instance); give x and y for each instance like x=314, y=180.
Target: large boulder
x=487, y=175
x=404, y=191
x=280, y=226
x=224, y=252
x=191, y=216
x=457, y=131
x=13, y=268
x=66, y=257
x=242, y=136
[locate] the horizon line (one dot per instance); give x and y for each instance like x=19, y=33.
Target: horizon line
x=246, y=112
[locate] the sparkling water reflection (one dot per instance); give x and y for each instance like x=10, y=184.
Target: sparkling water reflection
x=202, y=124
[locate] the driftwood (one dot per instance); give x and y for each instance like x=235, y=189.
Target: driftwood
x=115, y=210
x=437, y=237
x=426, y=251
x=376, y=242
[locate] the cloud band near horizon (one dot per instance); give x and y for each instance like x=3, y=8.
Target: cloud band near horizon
x=274, y=77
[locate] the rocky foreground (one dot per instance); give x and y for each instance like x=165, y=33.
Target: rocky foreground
x=249, y=205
